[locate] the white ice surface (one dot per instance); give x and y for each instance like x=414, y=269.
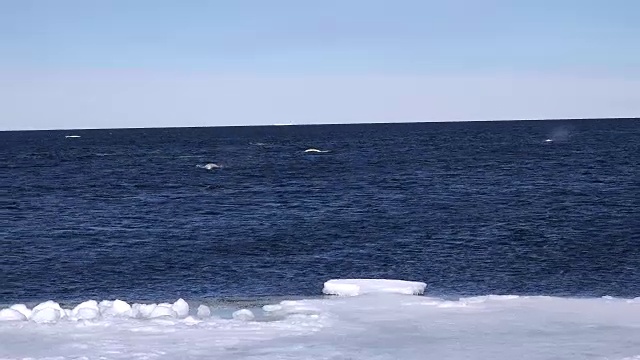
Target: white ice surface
x=203, y=311
x=11, y=315
x=354, y=287
x=243, y=314
x=376, y=326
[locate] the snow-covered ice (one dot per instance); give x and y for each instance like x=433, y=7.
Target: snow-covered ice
x=354, y=287
x=380, y=325
x=243, y=314
x=203, y=311
x=11, y=315
x=181, y=308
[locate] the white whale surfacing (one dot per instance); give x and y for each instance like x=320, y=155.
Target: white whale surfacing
x=312, y=150
x=380, y=321
x=209, y=166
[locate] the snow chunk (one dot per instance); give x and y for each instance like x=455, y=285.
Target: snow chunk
x=48, y=311
x=190, y=320
x=23, y=309
x=243, y=314
x=144, y=310
x=87, y=310
x=181, y=308
x=354, y=287
x=46, y=315
x=163, y=311
x=115, y=308
x=271, y=308
x=50, y=304
x=11, y=315
x=203, y=311
x=120, y=307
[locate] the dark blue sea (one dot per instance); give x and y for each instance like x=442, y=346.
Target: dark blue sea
x=471, y=208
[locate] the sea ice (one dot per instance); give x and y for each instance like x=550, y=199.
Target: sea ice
x=144, y=310
x=11, y=315
x=163, y=310
x=181, y=308
x=87, y=310
x=272, y=307
x=203, y=311
x=48, y=311
x=46, y=315
x=243, y=314
x=23, y=309
x=119, y=308
x=380, y=325
x=354, y=287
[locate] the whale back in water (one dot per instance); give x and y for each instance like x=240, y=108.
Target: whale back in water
x=312, y=150
x=209, y=166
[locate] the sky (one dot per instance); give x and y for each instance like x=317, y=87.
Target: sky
x=71, y=64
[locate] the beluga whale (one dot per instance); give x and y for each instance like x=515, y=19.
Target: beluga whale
x=312, y=150
x=209, y=166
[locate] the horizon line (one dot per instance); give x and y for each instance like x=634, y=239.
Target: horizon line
x=326, y=124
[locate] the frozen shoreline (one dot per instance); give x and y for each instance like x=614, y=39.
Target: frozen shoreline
x=378, y=325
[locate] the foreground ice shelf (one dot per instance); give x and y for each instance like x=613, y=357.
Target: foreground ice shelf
x=376, y=326
x=383, y=324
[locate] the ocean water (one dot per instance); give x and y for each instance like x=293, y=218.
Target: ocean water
x=526, y=233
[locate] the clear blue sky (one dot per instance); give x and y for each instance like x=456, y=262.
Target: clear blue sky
x=96, y=64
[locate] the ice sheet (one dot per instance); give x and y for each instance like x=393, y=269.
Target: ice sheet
x=376, y=326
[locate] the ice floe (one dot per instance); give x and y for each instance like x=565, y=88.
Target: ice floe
x=354, y=287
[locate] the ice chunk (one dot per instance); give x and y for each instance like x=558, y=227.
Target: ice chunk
x=91, y=304
x=203, y=311
x=48, y=311
x=243, y=314
x=272, y=308
x=11, y=315
x=181, y=308
x=145, y=310
x=354, y=287
x=115, y=308
x=46, y=305
x=296, y=307
x=87, y=310
x=87, y=314
x=105, y=305
x=190, y=320
x=23, y=309
x=120, y=307
x=163, y=310
x=46, y=315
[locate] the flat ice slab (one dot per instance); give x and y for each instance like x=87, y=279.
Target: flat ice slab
x=354, y=287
